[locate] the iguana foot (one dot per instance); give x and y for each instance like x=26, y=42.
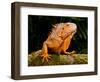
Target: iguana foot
x=73, y=52
x=45, y=57
x=69, y=53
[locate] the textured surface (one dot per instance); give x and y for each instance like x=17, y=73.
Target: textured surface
x=34, y=59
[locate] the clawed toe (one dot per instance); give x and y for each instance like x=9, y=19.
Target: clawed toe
x=69, y=53
x=45, y=58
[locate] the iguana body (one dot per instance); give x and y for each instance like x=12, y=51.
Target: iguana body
x=59, y=39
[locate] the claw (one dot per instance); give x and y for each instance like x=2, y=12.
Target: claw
x=69, y=53
x=73, y=52
x=45, y=57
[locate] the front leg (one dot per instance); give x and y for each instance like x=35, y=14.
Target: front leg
x=44, y=54
x=66, y=45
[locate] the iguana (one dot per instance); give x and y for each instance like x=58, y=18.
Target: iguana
x=58, y=40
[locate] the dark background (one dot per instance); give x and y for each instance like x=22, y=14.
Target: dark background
x=40, y=26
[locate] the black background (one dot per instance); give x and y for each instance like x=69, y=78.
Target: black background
x=40, y=26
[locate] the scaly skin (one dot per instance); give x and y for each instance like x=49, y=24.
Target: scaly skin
x=58, y=40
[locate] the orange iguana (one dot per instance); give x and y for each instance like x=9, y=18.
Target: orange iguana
x=59, y=39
